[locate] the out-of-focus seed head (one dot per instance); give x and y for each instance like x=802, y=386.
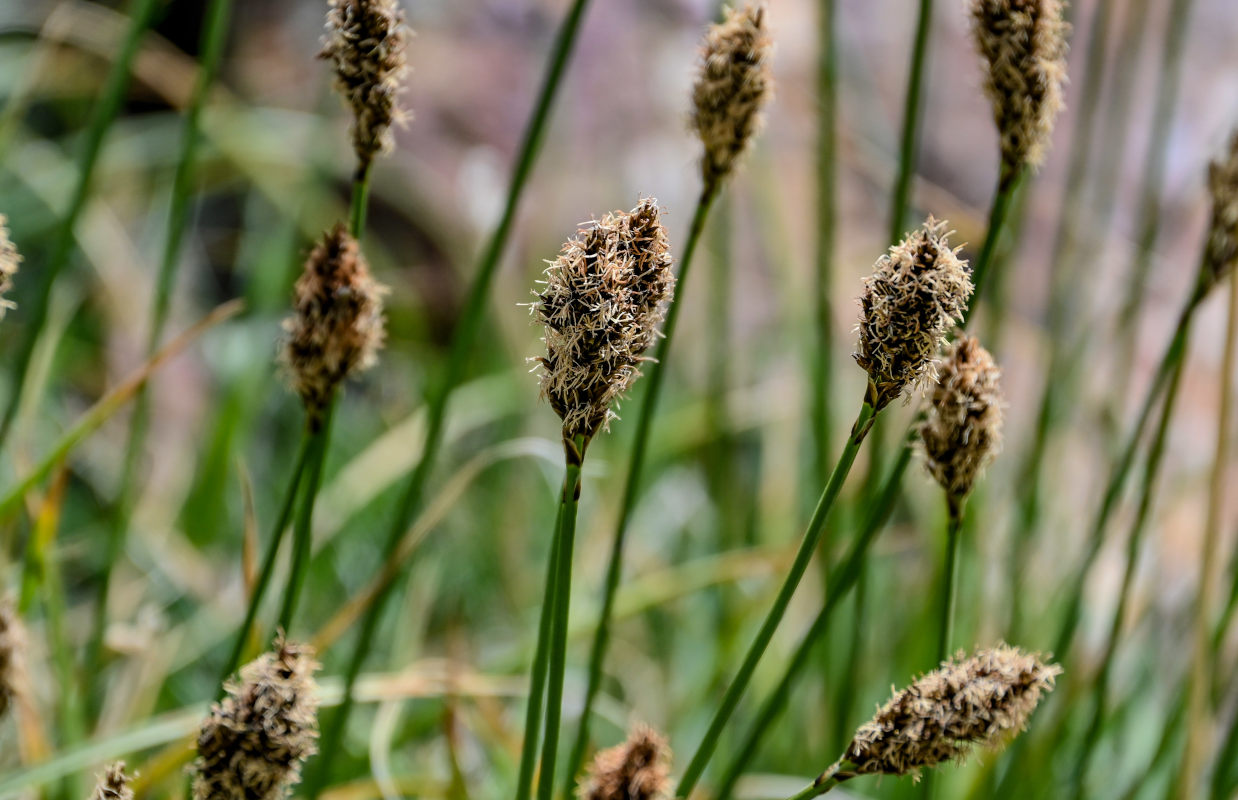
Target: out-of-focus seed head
x=638, y=769
x=12, y=652
x=1221, y=253
x=982, y=700
x=733, y=84
x=963, y=430
x=918, y=291
x=253, y=744
x=603, y=299
x=365, y=43
x=112, y=784
x=337, y=328
x=1023, y=44
x=9, y=261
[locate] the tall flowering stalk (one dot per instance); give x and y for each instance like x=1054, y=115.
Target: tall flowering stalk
x=734, y=83
x=601, y=304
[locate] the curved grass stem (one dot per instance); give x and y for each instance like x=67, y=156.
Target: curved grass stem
x=303, y=533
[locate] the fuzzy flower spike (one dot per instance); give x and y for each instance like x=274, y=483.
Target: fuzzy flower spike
x=638, y=769
x=337, y=327
x=963, y=430
x=603, y=299
x=112, y=784
x=365, y=43
x=252, y=744
x=12, y=651
x=1023, y=44
x=1221, y=252
x=917, y=291
x=9, y=261
x=733, y=84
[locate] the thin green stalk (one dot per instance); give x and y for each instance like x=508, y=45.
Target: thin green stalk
x=302, y=532
x=824, y=782
x=913, y=106
x=827, y=188
x=1224, y=775
x=436, y=410
x=1007, y=186
x=1100, y=686
x=213, y=37
x=110, y=98
x=842, y=577
x=267, y=568
x=569, y=502
x=812, y=535
x=360, y=199
x=946, y=611
x=537, y=678
x=631, y=485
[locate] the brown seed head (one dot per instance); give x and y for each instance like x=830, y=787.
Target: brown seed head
x=981, y=700
x=1221, y=253
x=733, y=83
x=9, y=261
x=963, y=430
x=638, y=769
x=365, y=43
x=252, y=745
x=602, y=301
x=112, y=784
x=917, y=291
x=1023, y=44
x=337, y=327
x=12, y=651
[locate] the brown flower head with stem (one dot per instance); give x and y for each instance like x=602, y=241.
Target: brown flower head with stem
x=112, y=784
x=918, y=291
x=638, y=769
x=10, y=259
x=734, y=82
x=12, y=653
x=962, y=431
x=337, y=328
x=365, y=43
x=254, y=742
x=601, y=304
x=1023, y=44
x=1221, y=251
x=967, y=702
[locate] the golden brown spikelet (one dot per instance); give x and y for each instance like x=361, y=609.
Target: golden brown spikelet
x=733, y=83
x=12, y=651
x=1221, y=253
x=603, y=299
x=254, y=742
x=337, y=328
x=638, y=769
x=365, y=43
x=1023, y=44
x=982, y=700
x=112, y=784
x=963, y=429
x=918, y=291
x=10, y=259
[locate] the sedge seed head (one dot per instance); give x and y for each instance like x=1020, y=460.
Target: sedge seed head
x=962, y=432
x=734, y=82
x=1221, y=253
x=366, y=42
x=10, y=259
x=337, y=328
x=982, y=700
x=638, y=769
x=1023, y=44
x=253, y=744
x=12, y=653
x=918, y=291
x=112, y=784
x=601, y=304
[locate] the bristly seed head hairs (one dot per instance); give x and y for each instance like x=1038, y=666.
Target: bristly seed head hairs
x=982, y=700
x=366, y=42
x=9, y=261
x=638, y=769
x=601, y=304
x=917, y=291
x=337, y=327
x=112, y=784
x=253, y=744
x=733, y=84
x=12, y=650
x=1023, y=43
x=963, y=430
x=1221, y=254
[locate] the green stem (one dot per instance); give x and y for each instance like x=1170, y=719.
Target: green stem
x=812, y=535
x=436, y=412
x=1007, y=185
x=569, y=503
x=214, y=36
x=110, y=98
x=1224, y=777
x=303, y=532
x=360, y=199
x=537, y=679
x=912, y=110
x=950, y=585
x=827, y=182
x=826, y=781
x=631, y=485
